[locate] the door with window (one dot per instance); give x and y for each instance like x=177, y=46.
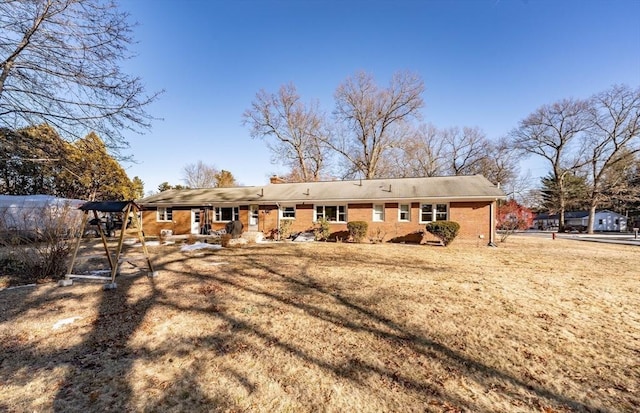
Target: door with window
x=195, y=221
x=254, y=214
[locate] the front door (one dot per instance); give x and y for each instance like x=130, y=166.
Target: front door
x=254, y=213
x=195, y=221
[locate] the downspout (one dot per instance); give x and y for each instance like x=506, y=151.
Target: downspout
x=492, y=225
x=278, y=220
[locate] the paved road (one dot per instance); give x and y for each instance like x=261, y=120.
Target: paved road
x=609, y=238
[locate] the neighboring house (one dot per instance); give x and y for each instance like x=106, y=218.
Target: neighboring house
x=604, y=221
x=396, y=209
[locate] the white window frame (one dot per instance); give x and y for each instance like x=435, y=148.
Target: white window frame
x=435, y=215
x=378, y=213
x=283, y=210
x=217, y=213
x=438, y=214
x=165, y=216
x=340, y=210
x=408, y=212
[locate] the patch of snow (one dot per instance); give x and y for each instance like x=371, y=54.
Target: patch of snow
x=305, y=237
x=200, y=246
x=98, y=272
x=64, y=322
x=18, y=286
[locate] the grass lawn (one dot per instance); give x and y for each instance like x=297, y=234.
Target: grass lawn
x=536, y=325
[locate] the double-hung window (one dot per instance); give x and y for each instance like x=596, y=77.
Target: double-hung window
x=404, y=212
x=434, y=212
x=378, y=213
x=332, y=213
x=226, y=214
x=288, y=212
x=441, y=212
x=164, y=214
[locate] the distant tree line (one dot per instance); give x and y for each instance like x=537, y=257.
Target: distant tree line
x=591, y=145
x=201, y=175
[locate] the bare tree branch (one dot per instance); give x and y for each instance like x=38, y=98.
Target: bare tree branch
x=60, y=64
x=299, y=131
x=551, y=133
x=613, y=138
x=373, y=118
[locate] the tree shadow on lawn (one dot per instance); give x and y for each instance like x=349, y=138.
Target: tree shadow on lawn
x=88, y=379
x=378, y=325
x=89, y=382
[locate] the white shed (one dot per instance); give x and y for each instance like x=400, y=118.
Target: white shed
x=606, y=220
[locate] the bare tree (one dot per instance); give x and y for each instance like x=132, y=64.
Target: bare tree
x=372, y=118
x=500, y=163
x=422, y=153
x=60, y=64
x=200, y=175
x=621, y=185
x=550, y=133
x=299, y=131
x=613, y=138
x=466, y=149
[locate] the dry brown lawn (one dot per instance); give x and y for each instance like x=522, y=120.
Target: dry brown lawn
x=532, y=326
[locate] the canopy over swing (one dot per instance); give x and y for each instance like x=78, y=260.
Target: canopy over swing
x=129, y=210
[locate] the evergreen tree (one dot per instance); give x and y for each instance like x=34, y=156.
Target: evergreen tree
x=576, y=193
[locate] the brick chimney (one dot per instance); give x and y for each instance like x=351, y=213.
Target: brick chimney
x=275, y=179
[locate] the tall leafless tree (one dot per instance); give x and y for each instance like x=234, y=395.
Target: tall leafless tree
x=60, y=64
x=373, y=118
x=422, y=153
x=500, y=163
x=298, y=130
x=550, y=133
x=613, y=138
x=466, y=149
x=200, y=175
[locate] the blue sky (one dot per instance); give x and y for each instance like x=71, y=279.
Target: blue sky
x=485, y=63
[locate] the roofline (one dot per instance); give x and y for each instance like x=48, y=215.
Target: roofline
x=315, y=201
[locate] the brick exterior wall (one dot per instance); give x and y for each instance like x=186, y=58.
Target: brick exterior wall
x=473, y=217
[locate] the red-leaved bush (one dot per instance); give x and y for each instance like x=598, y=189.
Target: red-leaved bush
x=512, y=216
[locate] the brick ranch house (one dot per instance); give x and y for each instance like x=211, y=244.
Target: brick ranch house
x=396, y=209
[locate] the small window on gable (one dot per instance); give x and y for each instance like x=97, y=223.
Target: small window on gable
x=404, y=212
x=164, y=214
x=378, y=213
x=599, y=222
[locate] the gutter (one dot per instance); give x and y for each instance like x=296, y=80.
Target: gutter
x=315, y=200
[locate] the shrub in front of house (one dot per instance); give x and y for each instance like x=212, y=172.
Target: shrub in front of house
x=322, y=230
x=357, y=230
x=445, y=231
